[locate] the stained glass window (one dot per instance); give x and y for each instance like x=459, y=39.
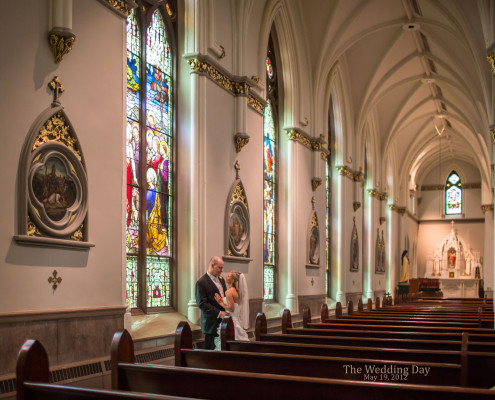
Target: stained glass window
x=270, y=162
x=453, y=194
x=149, y=149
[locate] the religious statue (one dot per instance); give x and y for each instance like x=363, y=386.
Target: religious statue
x=451, y=257
x=404, y=274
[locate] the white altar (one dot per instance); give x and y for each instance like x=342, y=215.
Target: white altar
x=456, y=266
x=460, y=288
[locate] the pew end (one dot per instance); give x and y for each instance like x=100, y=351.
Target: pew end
x=338, y=310
x=286, y=321
x=121, y=351
x=260, y=326
x=306, y=316
x=324, y=312
x=32, y=365
x=350, y=307
x=369, y=306
x=182, y=340
x=227, y=332
x=377, y=303
x=360, y=305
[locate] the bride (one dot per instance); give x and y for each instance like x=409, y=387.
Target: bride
x=236, y=302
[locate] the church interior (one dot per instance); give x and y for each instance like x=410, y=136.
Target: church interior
x=329, y=150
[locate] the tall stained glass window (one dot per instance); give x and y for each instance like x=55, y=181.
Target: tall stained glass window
x=149, y=156
x=270, y=164
x=453, y=194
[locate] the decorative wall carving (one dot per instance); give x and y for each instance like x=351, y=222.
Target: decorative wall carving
x=315, y=183
x=348, y=173
x=377, y=194
x=305, y=140
x=313, y=240
x=237, y=222
x=379, y=253
x=122, y=8
x=354, y=248
x=238, y=86
x=53, y=189
x=240, y=140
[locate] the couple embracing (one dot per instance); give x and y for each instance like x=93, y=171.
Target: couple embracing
x=218, y=297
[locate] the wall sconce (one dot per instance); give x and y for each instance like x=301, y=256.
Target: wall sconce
x=60, y=35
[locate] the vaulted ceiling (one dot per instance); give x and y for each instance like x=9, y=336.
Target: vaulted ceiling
x=418, y=67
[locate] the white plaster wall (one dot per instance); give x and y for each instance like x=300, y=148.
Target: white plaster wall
x=92, y=75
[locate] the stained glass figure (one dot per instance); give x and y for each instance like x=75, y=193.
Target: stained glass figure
x=453, y=194
x=149, y=173
x=269, y=68
x=269, y=173
x=327, y=250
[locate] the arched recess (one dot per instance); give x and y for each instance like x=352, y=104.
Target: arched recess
x=53, y=185
x=295, y=79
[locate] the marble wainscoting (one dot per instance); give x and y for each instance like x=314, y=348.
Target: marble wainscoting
x=255, y=307
x=314, y=302
x=354, y=297
x=68, y=336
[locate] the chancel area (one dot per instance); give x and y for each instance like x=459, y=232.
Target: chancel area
x=338, y=154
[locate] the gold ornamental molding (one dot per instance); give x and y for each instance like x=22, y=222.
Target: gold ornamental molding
x=378, y=195
x=486, y=207
x=238, y=86
x=400, y=210
x=122, y=8
x=240, y=140
x=304, y=139
x=61, y=42
x=356, y=205
x=492, y=133
x=315, y=183
x=491, y=60
x=348, y=173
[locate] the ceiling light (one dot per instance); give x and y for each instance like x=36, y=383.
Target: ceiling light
x=412, y=26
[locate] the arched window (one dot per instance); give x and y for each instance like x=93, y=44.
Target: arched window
x=453, y=194
x=270, y=169
x=150, y=157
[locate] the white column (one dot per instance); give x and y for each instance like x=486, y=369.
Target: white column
x=292, y=227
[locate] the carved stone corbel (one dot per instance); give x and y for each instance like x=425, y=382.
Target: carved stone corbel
x=240, y=140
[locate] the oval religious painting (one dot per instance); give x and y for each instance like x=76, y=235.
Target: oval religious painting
x=54, y=188
x=238, y=228
x=314, y=246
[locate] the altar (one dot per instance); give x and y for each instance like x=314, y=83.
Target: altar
x=456, y=266
x=460, y=288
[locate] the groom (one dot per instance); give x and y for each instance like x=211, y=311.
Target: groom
x=211, y=312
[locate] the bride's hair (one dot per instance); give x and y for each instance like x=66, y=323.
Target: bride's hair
x=235, y=279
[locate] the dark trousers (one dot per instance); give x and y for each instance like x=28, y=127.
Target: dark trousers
x=210, y=341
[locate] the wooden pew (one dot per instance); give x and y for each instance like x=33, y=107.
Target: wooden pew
x=223, y=385
x=369, y=338
x=311, y=366
x=478, y=363
x=32, y=372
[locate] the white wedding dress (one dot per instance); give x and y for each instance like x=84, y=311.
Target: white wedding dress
x=240, y=315
x=240, y=332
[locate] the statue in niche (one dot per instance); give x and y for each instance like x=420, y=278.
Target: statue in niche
x=451, y=257
x=354, y=248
